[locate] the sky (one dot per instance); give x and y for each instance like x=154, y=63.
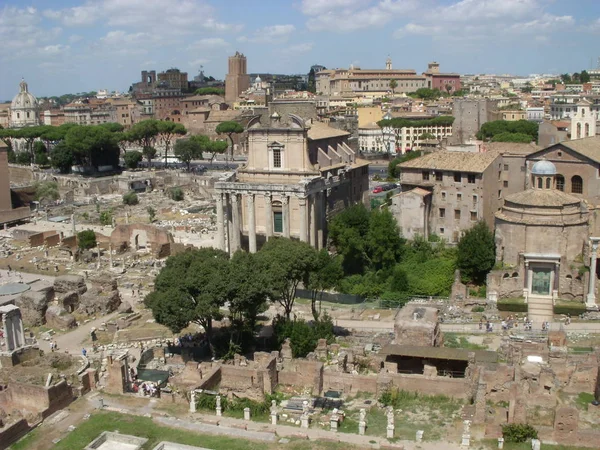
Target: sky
x=70, y=46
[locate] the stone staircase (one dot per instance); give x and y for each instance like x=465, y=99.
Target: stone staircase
x=540, y=309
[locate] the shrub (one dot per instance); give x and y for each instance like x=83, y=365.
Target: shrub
x=151, y=213
x=512, y=305
x=175, y=194
x=132, y=159
x=106, y=217
x=130, y=198
x=23, y=158
x=86, y=239
x=303, y=336
x=518, y=432
x=478, y=309
x=573, y=308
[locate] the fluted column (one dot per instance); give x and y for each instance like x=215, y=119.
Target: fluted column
x=303, y=219
x=285, y=206
x=235, y=228
x=591, y=297
x=320, y=220
x=251, y=223
x=312, y=230
x=268, y=217
x=220, y=222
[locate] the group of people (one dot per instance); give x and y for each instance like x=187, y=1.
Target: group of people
x=146, y=388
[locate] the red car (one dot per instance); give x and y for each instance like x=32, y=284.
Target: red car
x=378, y=189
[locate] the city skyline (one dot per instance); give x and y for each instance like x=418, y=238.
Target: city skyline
x=71, y=46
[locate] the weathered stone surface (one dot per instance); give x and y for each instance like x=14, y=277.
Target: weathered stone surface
x=69, y=300
x=58, y=317
x=68, y=283
x=125, y=307
x=104, y=282
x=97, y=301
x=33, y=306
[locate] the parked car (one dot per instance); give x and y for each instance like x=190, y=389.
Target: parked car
x=378, y=189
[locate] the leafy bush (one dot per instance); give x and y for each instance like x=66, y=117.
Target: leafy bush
x=151, y=213
x=86, y=239
x=518, y=432
x=130, y=198
x=209, y=402
x=106, y=217
x=175, y=194
x=303, y=335
x=24, y=158
x=478, y=309
x=405, y=400
x=512, y=305
x=132, y=159
x=573, y=308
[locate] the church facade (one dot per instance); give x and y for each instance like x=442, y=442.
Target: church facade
x=299, y=173
x=24, y=109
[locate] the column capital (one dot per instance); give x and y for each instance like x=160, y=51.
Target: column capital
x=250, y=199
x=233, y=196
x=285, y=199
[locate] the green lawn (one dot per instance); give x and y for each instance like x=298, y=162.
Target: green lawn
x=90, y=429
x=493, y=444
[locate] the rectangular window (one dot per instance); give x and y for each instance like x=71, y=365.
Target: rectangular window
x=505, y=167
x=442, y=230
x=457, y=214
x=500, y=193
x=443, y=196
x=277, y=158
x=474, y=216
x=278, y=222
x=505, y=183
x=459, y=196
x=471, y=178
x=474, y=200
x=442, y=213
x=425, y=174
x=439, y=176
x=457, y=177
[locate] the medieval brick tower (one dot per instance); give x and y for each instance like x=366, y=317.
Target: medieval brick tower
x=237, y=79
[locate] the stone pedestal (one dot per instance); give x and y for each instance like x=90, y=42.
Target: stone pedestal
x=304, y=420
x=273, y=418
x=466, y=441
x=362, y=427
x=246, y=413
x=333, y=422
x=500, y=442
x=390, y=431
x=193, y=402
x=219, y=411
x=536, y=444
x=419, y=436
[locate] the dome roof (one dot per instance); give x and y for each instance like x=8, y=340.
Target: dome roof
x=543, y=167
x=24, y=99
x=257, y=79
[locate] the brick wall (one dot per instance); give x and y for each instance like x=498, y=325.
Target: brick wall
x=12, y=433
x=452, y=387
x=348, y=383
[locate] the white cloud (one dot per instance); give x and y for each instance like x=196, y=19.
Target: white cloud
x=479, y=20
x=270, y=34
x=175, y=17
x=208, y=44
x=299, y=48
x=351, y=15
x=54, y=50
x=74, y=38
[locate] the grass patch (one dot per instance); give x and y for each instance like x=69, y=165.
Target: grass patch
x=573, y=308
x=453, y=340
x=145, y=427
x=413, y=402
x=584, y=399
x=493, y=444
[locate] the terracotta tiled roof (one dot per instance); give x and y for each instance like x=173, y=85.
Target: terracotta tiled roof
x=589, y=147
x=543, y=197
x=319, y=130
x=452, y=161
x=511, y=148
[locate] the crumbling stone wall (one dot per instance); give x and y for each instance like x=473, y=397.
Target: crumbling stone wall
x=302, y=374
x=36, y=399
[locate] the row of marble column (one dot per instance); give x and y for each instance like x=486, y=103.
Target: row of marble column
x=229, y=209
x=14, y=334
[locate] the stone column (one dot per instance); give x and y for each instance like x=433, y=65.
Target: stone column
x=220, y=222
x=110, y=259
x=235, y=228
x=246, y=413
x=73, y=224
x=8, y=332
x=303, y=219
x=268, y=217
x=591, y=297
x=285, y=207
x=227, y=226
x=218, y=407
x=251, y=224
x=320, y=220
x=193, y=402
x=313, y=221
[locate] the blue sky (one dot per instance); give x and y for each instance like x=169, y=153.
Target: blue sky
x=68, y=46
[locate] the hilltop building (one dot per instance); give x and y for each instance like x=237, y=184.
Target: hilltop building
x=237, y=79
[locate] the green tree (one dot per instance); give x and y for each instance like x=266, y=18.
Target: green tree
x=286, y=264
x=29, y=135
x=229, y=128
x=491, y=129
x=187, y=150
x=23, y=158
x=144, y=133
x=326, y=274
x=216, y=147
x=565, y=78
x=210, y=91
x=151, y=213
x=248, y=290
x=61, y=157
x=106, y=217
x=167, y=130
x=312, y=82
x=584, y=76
x=46, y=191
x=92, y=146
x=149, y=153
x=383, y=241
x=191, y=288
x=476, y=253
x=86, y=239
x=393, y=85
x=112, y=127
x=348, y=231
x=130, y=198
x=394, y=170
x=426, y=93
x=512, y=137
x=175, y=193
x=133, y=159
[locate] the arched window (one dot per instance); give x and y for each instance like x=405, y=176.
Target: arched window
x=587, y=130
x=539, y=182
x=560, y=183
x=577, y=185
x=578, y=131
x=547, y=183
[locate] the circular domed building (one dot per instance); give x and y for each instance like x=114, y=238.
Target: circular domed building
x=540, y=234
x=24, y=109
